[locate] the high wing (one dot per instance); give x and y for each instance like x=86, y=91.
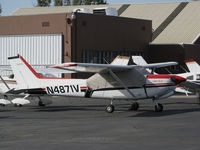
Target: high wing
x=113, y=75
x=100, y=68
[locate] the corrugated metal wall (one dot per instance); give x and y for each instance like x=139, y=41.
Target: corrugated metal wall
x=38, y=49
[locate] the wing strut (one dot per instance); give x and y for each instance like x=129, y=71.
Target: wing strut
x=5, y=83
x=120, y=82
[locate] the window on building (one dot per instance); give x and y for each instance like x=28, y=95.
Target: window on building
x=103, y=57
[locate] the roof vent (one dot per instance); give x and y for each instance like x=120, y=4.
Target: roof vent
x=109, y=11
x=80, y=10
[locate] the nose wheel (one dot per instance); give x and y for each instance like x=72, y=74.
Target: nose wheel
x=158, y=107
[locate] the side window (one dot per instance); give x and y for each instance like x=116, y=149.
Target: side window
x=198, y=77
x=190, y=78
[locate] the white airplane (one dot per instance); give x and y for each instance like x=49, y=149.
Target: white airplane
x=192, y=85
x=193, y=77
x=111, y=81
x=6, y=84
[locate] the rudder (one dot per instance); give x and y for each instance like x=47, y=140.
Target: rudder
x=25, y=75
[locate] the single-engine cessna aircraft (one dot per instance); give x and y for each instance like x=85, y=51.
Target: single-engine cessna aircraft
x=192, y=85
x=112, y=81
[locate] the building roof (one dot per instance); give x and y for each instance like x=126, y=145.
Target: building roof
x=157, y=12
x=56, y=9
x=175, y=22
x=184, y=28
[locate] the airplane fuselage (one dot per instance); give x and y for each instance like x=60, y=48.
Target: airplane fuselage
x=157, y=87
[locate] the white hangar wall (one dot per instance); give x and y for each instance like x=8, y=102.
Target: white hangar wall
x=38, y=49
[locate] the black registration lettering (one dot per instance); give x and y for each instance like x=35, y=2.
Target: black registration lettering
x=50, y=90
x=67, y=88
x=76, y=88
x=56, y=89
x=62, y=89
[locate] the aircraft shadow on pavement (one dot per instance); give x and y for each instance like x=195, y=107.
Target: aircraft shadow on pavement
x=5, y=117
x=5, y=110
x=69, y=108
x=151, y=113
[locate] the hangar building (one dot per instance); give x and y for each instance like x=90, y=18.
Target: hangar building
x=62, y=37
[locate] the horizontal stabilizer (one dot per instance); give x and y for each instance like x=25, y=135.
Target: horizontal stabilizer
x=20, y=101
x=4, y=102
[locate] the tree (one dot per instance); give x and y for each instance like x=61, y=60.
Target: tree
x=43, y=3
x=58, y=3
x=78, y=2
x=97, y=2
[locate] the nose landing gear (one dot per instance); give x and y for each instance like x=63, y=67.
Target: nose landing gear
x=110, y=108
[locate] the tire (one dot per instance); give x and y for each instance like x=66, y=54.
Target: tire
x=110, y=108
x=40, y=103
x=159, y=108
x=18, y=105
x=134, y=106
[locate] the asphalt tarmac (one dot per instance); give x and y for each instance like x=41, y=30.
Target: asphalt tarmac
x=83, y=124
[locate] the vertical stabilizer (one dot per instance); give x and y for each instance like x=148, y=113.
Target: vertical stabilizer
x=25, y=75
x=193, y=66
x=120, y=60
x=139, y=60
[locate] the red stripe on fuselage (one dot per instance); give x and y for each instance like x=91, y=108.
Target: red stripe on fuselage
x=84, y=87
x=159, y=76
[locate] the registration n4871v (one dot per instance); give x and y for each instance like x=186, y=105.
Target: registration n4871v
x=62, y=89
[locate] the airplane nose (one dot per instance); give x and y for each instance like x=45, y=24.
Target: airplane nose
x=177, y=79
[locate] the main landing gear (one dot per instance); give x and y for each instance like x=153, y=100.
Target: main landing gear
x=40, y=103
x=111, y=108
x=158, y=107
x=134, y=106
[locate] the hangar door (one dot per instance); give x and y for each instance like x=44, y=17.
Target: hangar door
x=38, y=49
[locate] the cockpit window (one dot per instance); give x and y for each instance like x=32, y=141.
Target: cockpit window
x=190, y=78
